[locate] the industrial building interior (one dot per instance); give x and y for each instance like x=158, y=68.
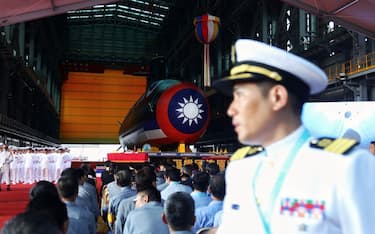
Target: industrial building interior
x=154, y=40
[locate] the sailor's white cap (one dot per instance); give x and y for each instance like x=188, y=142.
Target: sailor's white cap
x=254, y=60
x=12, y=147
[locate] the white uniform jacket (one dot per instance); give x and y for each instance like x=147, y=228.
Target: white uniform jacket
x=323, y=192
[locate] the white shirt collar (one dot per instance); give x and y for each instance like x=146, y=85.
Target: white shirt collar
x=278, y=151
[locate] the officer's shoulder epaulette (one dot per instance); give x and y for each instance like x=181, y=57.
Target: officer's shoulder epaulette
x=246, y=151
x=334, y=145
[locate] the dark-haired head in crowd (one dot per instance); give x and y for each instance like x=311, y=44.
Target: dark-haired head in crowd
x=217, y=186
x=186, y=174
x=123, y=181
x=173, y=175
x=68, y=188
x=212, y=168
x=51, y=206
x=43, y=188
x=174, y=185
x=91, y=177
x=144, y=178
x=205, y=216
x=89, y=183
x=147, y=194
x=123, y=178
x=162, y=175
x=86, y=198
x=179, y=212
x=195, y=168
x=80, y=219
x=107, y=175
x=200, y=196
x=77, y=173
x=146, y=218
x=35, y=223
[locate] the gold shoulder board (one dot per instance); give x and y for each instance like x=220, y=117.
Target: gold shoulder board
x=338, y=146
x=246, y=151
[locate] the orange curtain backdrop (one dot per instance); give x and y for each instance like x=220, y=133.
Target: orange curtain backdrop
x=94, y=104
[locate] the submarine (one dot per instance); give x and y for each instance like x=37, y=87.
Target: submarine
x=169, y=113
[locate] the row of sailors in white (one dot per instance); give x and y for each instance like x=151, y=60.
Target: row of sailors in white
x=28, y=165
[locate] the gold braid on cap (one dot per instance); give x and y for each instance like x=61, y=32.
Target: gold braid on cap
x=253, y=71
x=245, y=70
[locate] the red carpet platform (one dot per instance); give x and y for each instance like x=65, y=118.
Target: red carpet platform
x=13, y=202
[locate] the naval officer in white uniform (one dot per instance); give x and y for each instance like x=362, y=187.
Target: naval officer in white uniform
x=285, y=181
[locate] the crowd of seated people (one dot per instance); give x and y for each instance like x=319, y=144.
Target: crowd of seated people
x=206, y=189
x=147, y=199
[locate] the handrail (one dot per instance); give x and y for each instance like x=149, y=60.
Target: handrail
x=351, y=67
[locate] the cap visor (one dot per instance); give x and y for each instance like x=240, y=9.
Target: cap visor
x=224, y=86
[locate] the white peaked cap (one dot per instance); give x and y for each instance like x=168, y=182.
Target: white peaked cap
x=278, y=63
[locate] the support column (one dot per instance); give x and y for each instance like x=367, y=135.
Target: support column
x=372, y=44
x=265, y=34
x=49, y=82
x=38, y=66
x=219, y=63
x=8, y=33
x=32, y=47
x=362, y=50
x=21, y=40
x=4, y=86
x=44, y=77
x=314, y=24
x=356, y=50
x=362, y=93
x=302, y=26
x=18, y=99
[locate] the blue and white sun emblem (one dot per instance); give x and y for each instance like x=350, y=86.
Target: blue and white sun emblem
x=190, y=111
